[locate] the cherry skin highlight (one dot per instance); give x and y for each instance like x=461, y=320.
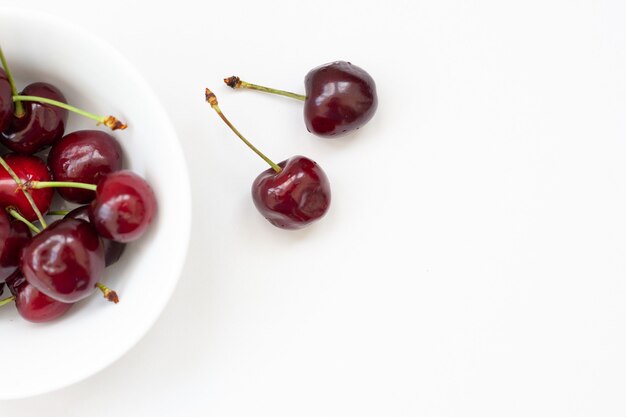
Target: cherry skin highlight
x=124, y=206
x=340, y=97
x=112, y=250
x=27, y=168
x=6, y=101
x=64, y=261
x=84, y=156
x=14, y=235
x=294, y=197
x=32, y=304
x=40, y=126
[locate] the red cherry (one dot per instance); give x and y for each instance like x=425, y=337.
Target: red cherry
x=32, y=304
x=64, y=261
x=40, y=126
x=340, y=97
x=294, y=197
x=14, y=235
x=27, y=168
x=6, y=101
x=112, y=250
x=291, y=194
x=84, y=156
x=124, y=206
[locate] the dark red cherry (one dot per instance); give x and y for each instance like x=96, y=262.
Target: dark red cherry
x=64, y=261
x=340, y=97
x=112, y=250
x=6, y=101
x=14, y=236
x=84, y=156
x=294, y=197
x=40, y=126
x=27, y=168
x=32, y=304
x=124, y=206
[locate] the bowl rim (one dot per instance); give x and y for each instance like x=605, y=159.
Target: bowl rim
x=184, y=208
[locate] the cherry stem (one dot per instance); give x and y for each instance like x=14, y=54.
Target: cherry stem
x=36, y=185
x=212, y=100
x=236, y=82
x=19, y=107
x=20, y=184
x=16, y=214
x=7, y=300
x=109, y=121
x=57, y=212
x=108, y=293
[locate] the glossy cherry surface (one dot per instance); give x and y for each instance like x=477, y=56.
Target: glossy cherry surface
x=32, y=304
x=65, y=260
x=124, y=206
x=340, y=97
x=6, y=101
x=14, y=235
x=112, y=250
x=40, y=126
x=84, y=156
x=27, y=168
x=295, y=197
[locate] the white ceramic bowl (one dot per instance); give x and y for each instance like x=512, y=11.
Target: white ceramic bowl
x=37, y=358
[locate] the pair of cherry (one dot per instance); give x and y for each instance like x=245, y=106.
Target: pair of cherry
x=340, y=97
x=63, y=263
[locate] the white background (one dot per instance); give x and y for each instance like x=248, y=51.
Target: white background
x=474, y=258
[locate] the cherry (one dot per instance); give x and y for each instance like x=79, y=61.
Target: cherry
x=64, y=261
x=291, y=194
x=294, y=197
x=84, y=156
x=124, y=206
x=340, y=97
x=112, y=250
x=32, y=304
x=26, y=168
x=14, y=236
x=40, y=125
x=6, y=101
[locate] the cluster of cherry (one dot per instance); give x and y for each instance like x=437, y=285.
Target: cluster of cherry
x=47, y=268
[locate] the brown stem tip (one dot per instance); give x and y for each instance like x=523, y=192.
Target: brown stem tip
x=210, y=97
x=114, y=124
x=108, y=293
x=233, y=82
x=111, y=296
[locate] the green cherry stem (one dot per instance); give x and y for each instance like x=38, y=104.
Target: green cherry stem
x=212, y=100
x=16, y=214
x=36, y=185
x=6, y=300
x=20, y=185
x=57, y=212
x=19, y=107
x=236, y=82
x=109, y=121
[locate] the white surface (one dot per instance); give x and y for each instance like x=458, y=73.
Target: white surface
x=474, y=259
x=94, y=334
